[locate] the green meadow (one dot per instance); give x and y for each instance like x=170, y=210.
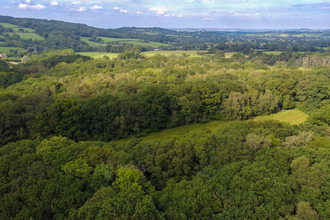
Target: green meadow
x=7, y=25
x=123, y=40
x=293, y=117
x=33, y=36
x=98, y=54
x=8, y=49
x=192, y=53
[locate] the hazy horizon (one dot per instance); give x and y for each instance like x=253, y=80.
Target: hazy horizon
x=235, y=14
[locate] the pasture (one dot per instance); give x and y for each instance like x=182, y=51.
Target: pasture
x=8, y=49
x=98, y=54
x=33, y=36
x=7, y=25
x=123, y=40
x=191, y=53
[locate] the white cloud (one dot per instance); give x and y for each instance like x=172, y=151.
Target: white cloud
x=139, y=12
x=7, y=7
x=123, y=10
x=158, y=9
x=81, y=9
x=180, y=16
x=96, y=7
x=37, y=7
x=167, y=15
x=54, y=3
x=76, y=2
x=160, y=12
x=116, y=8
x=28, y=1
x=208, y=18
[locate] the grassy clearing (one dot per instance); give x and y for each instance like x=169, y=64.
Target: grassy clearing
x=273, y=52
x=7, y=25
x=308, y=35
x=29, y=30
x=98, y=54
x=33, y=36
x=230, y=54
x=7, y=49
x=294, y=116
x=192, y=53
x=123, y=40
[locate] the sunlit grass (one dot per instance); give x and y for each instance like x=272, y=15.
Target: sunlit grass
x=294, y=116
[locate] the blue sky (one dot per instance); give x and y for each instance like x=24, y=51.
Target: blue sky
x=244, y=14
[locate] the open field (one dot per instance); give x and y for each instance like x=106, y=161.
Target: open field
x=123, y=40
x=29, y=30
x=33, y=36
x=273, y=52
x=7, y=25
x=7, y=49
x=98, y=54
x=192, y=53
x=230, y=54
x=293, y=117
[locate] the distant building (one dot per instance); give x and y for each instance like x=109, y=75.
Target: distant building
x=3, y=55
x=156, y=49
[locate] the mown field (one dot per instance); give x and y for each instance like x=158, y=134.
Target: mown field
x=98, y=54
x=192, y=53
x=7, y=25
x=293, y=117
x=33, y=36
x=123, y=40
x=7, y=49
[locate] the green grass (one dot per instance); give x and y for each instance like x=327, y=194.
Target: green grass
x=29, y=30
x=273, y=52
x=123, y=40
x=192, y=53
x=98, y=54
x=33, y=36
x=7, y=25
x=294, y=116
x=7, y=49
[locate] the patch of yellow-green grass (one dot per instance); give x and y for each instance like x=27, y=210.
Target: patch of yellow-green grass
x=273, y=52
x=98, y=54
x=28, y=30
x=7, y=25
x=192, y=53
x=294, y=116
x=311, y=34
x=122, y=41
x=230, y=54
x=8, y=49
x=33, y=36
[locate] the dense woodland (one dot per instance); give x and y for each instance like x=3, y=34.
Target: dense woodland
x=72, y=128
x=61, y=114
